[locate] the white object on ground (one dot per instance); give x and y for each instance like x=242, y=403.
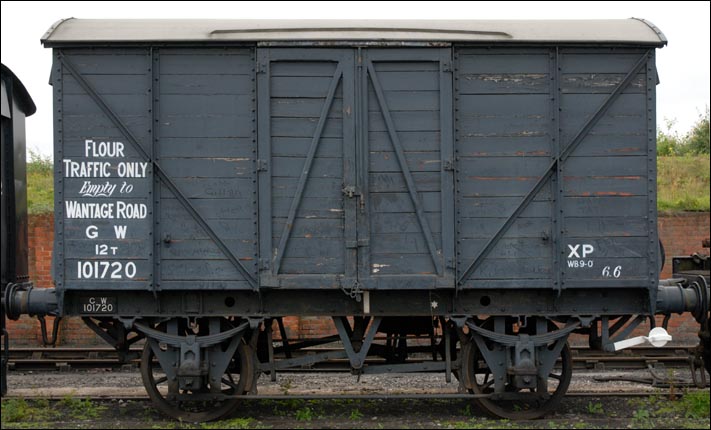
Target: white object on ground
x=658, y=337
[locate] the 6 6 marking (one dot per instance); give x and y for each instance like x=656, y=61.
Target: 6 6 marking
x=616, y=273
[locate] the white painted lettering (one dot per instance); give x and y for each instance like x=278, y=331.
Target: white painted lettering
x=75, y=209
x=120, y=231
x=126, y=188
x=92, y=232
x=86, y=169
x=90, y=189
x=575, y=253
x=131, y=210
x=123, y=210
x=103, y=149
x=103, y=269
x=132, y=169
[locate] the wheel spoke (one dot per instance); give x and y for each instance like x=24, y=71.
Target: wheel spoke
x=529, y=403
x=193, y=404
x=230, y=383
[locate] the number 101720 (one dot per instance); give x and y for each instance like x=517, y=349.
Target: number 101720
x=106, y=270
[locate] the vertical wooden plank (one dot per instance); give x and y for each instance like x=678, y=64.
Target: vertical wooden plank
x=59, y=252
x=457, y=172
x=552, y=168
x=364, y=241
x=306, y=170
x=447, y=161
x=350, y=177
x=264, y=177
x=651, y=110
x=154, y=193
x=412, y=190
x=255, y=165
x=558, y=228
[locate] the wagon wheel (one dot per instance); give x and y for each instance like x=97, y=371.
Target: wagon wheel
x=520, y=409
x=237, y=380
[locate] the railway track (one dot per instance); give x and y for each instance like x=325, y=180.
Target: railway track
x=362, y=397
x=64, y=359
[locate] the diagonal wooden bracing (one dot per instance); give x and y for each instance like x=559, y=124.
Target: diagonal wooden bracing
x=158, y=170
x=296, y=201
x=402, y=161
x=553, y=167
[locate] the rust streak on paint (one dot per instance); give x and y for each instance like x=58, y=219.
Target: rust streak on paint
x=503, y=178
x=626, y=150
x=624, y=178
x=531, y=153
x=604, y=194
x=612, y=193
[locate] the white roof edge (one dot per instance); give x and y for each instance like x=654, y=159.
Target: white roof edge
x=632, y=31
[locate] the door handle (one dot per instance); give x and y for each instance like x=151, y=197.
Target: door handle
x=351, y=191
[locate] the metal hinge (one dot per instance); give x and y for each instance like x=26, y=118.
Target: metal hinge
x=353, y=290
x=264, y=264
x=448, y=165
x=261, y=67
x=351, y=244
x=262, y=165
x=351, y=191
x=446, y=66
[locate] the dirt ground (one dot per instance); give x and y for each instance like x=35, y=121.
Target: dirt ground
x=27, y=409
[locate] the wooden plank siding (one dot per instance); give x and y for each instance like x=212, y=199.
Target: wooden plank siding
x=506, y=141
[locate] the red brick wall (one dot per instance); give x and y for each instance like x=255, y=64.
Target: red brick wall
x=26, y=331
x=681, y=234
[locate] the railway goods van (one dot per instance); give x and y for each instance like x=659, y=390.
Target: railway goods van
x=487, y=186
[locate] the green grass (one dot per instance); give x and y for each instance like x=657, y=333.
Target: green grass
x=234, y=423
x=41, y=411
x=694, y=405
x=21, y=411
x=40, y=184
x=690, y=411
x=595, y=408
x=356, y=415
x=683, y=183
x=304, y=414
x=79, y=409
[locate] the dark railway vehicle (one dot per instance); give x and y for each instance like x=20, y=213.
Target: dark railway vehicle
x=487, y=185
x=16, y=106
x=694, y=271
